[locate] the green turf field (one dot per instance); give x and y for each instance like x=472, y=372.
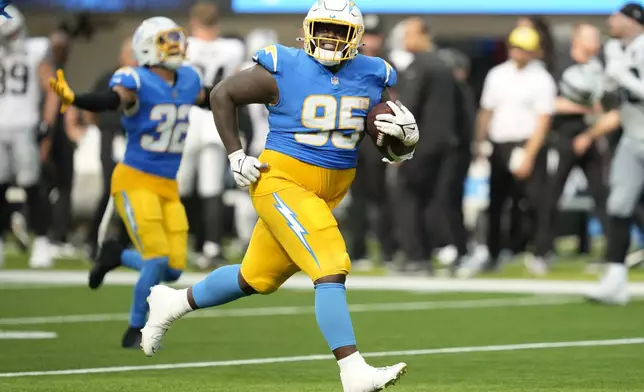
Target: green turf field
x=281, y=327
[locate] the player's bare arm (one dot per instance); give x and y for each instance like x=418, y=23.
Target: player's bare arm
x=607, y=123
x=533, y=146
x=73, y=128
x=254, y=85
x=50, y=109
x=566, y=106
x=482, y=126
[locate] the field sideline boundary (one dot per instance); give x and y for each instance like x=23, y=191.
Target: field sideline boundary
x=320, y=357
x=301, y=282
x=300, y=310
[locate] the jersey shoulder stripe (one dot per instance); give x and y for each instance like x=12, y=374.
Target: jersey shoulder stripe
x=381, y=69
x=276, y=58
x=127, y=77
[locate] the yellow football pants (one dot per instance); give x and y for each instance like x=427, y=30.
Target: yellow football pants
x=157, y=225
x=296, y=229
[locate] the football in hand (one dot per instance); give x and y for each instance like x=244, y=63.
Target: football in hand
x=385, y=143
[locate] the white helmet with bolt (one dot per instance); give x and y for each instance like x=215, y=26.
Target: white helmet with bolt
x=159, y=41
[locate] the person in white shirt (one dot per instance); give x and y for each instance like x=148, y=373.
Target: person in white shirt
x=624, y=69
x=204, y=162
x=516, y=107
x=25, y=66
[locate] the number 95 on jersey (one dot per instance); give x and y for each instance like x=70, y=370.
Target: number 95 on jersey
x=332, y=118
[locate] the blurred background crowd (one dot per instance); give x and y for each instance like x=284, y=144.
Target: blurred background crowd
x=446, y=205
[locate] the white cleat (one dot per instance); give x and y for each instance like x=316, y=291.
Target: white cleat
x=613, y=287
x=370, y=379
x=536, y=266
x=447, y=256
x=40, y=254
x=166, y=306
x=473, y=263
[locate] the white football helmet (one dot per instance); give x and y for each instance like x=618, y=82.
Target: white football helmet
x=159, y=41
x=333, y=31
x=13, y=32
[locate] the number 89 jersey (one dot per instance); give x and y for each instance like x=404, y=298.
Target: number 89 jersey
x=156, y=127
x=20, y=93
x=320, y=116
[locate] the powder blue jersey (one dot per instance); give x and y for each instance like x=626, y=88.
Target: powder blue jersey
x=156, y=127
x=320, y=116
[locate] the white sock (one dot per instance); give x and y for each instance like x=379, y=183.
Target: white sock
x=352, y=361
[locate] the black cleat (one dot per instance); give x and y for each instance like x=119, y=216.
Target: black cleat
x=109, y=258
x=132, y=338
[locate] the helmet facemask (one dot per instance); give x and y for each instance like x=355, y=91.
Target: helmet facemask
x=331, y=41
x=171, y=48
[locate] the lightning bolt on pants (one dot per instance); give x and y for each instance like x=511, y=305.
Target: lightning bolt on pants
x=296, y=228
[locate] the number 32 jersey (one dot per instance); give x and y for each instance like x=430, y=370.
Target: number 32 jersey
x=156, y=127
x=320, y=116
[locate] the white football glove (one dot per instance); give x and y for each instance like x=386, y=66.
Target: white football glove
x=401, y=125
x=246, y=169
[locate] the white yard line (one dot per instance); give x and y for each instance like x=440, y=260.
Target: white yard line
x=26, y=335
x=297, y=310
x=260, y=361
x=29, y=286
x=396, y=283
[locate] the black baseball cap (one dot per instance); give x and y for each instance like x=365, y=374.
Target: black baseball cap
x=634, y=11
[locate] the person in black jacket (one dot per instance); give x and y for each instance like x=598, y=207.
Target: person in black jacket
x=110, y=125
x=59, y=172
x=428, y=89
x=580, y=88
x=459, y=158
x=369, y=187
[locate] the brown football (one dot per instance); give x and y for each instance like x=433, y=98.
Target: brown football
x=384, y=142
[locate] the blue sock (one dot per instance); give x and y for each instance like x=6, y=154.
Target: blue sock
x=219, y=287
x=132, y=259
x=172, y=275
x=152, y=272
x=332, y=314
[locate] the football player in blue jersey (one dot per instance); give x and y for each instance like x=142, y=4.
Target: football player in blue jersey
x=318, y=98
x=155, y=98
